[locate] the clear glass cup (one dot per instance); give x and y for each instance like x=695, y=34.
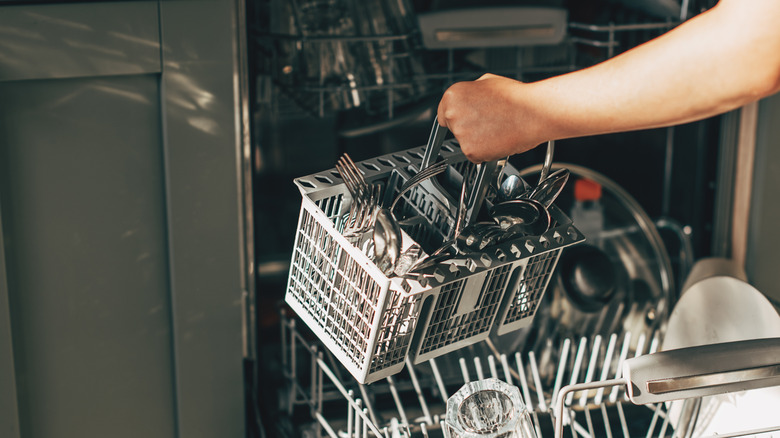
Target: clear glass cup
x=488, y=408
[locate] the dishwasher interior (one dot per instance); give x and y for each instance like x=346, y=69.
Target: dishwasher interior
x=330, y=77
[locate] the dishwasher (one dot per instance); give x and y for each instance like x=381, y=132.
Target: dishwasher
x=608, y=341
x=365, y=77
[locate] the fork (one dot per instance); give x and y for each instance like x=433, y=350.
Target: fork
x=352, y=177
x=365, y=197
x=419, y=177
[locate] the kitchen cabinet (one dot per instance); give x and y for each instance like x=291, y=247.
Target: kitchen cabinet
x=123, y=263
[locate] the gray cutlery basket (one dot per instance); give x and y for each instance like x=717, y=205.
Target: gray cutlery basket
x=373, y=323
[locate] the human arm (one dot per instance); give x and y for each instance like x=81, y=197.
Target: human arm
x=717, y=61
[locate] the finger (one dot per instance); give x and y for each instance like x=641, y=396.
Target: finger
x=441, y=110
x=487, y=76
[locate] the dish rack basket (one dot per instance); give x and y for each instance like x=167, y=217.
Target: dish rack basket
x=373, y=323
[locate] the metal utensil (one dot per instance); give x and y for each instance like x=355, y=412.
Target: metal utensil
x=441, y=253
x=387, y=241
x=548, y=190
x=512, y=187
x=366, y=197
x=408, y=257
x=435, y=140
x=485, y=173
x=431, y=152
x=521, y=217
x=426, y=173
x=478, y=236
x=548, y=158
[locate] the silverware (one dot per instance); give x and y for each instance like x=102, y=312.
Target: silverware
x=408, y=258
x=366, y=197
x=419, y=177
x=431, y=152
x=512, y=187
x=442, y=253
x=518, y=217
x=387, y=241
x=435, y=140
x=549, y=189
x=387, y=231
x=548, y=158
x=485, y=173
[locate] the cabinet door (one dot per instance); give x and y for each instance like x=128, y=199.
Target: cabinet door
x=121, y=277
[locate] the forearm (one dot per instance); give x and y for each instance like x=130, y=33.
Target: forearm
x=715, y=62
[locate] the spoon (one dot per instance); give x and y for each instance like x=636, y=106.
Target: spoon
x=387, y=241
x=521, y=217
x=512, y=187
x=480, y=235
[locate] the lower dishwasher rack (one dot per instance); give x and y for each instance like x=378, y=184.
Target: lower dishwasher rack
x=325, y=400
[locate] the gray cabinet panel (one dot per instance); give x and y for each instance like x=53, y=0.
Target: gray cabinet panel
x=204, y=164
x=123, y=267
x=9, y=412
x=763, y=257
x=71, y=40
x=83, y=203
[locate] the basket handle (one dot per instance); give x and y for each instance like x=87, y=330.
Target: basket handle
x=435, y=140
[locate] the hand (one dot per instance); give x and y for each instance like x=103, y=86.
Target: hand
x=489, y=117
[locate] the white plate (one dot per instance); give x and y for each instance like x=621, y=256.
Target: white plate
x=725, y=309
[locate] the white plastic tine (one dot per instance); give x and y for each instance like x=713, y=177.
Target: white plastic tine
x=653, y=421
x=589, y=422
x=464, y=370
x=492, y=366
x=622, y=416
x=424, y=430
x=654, y=343
x=507, y=372
x=365, y=423
x=594, y=354
x=605, y=417
x=577, y=366
x=664, y=424
x=397, y=400
x=523, y=381
x=418, y=390
x=350, y=414
x=607, y=365
x=478, y=367
x=619, y=369
x=537, y=381
x=439, y=381
x=527, y=392
x=640, y=348
x=564, y=359
x=369, y=406
x=359, y=404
